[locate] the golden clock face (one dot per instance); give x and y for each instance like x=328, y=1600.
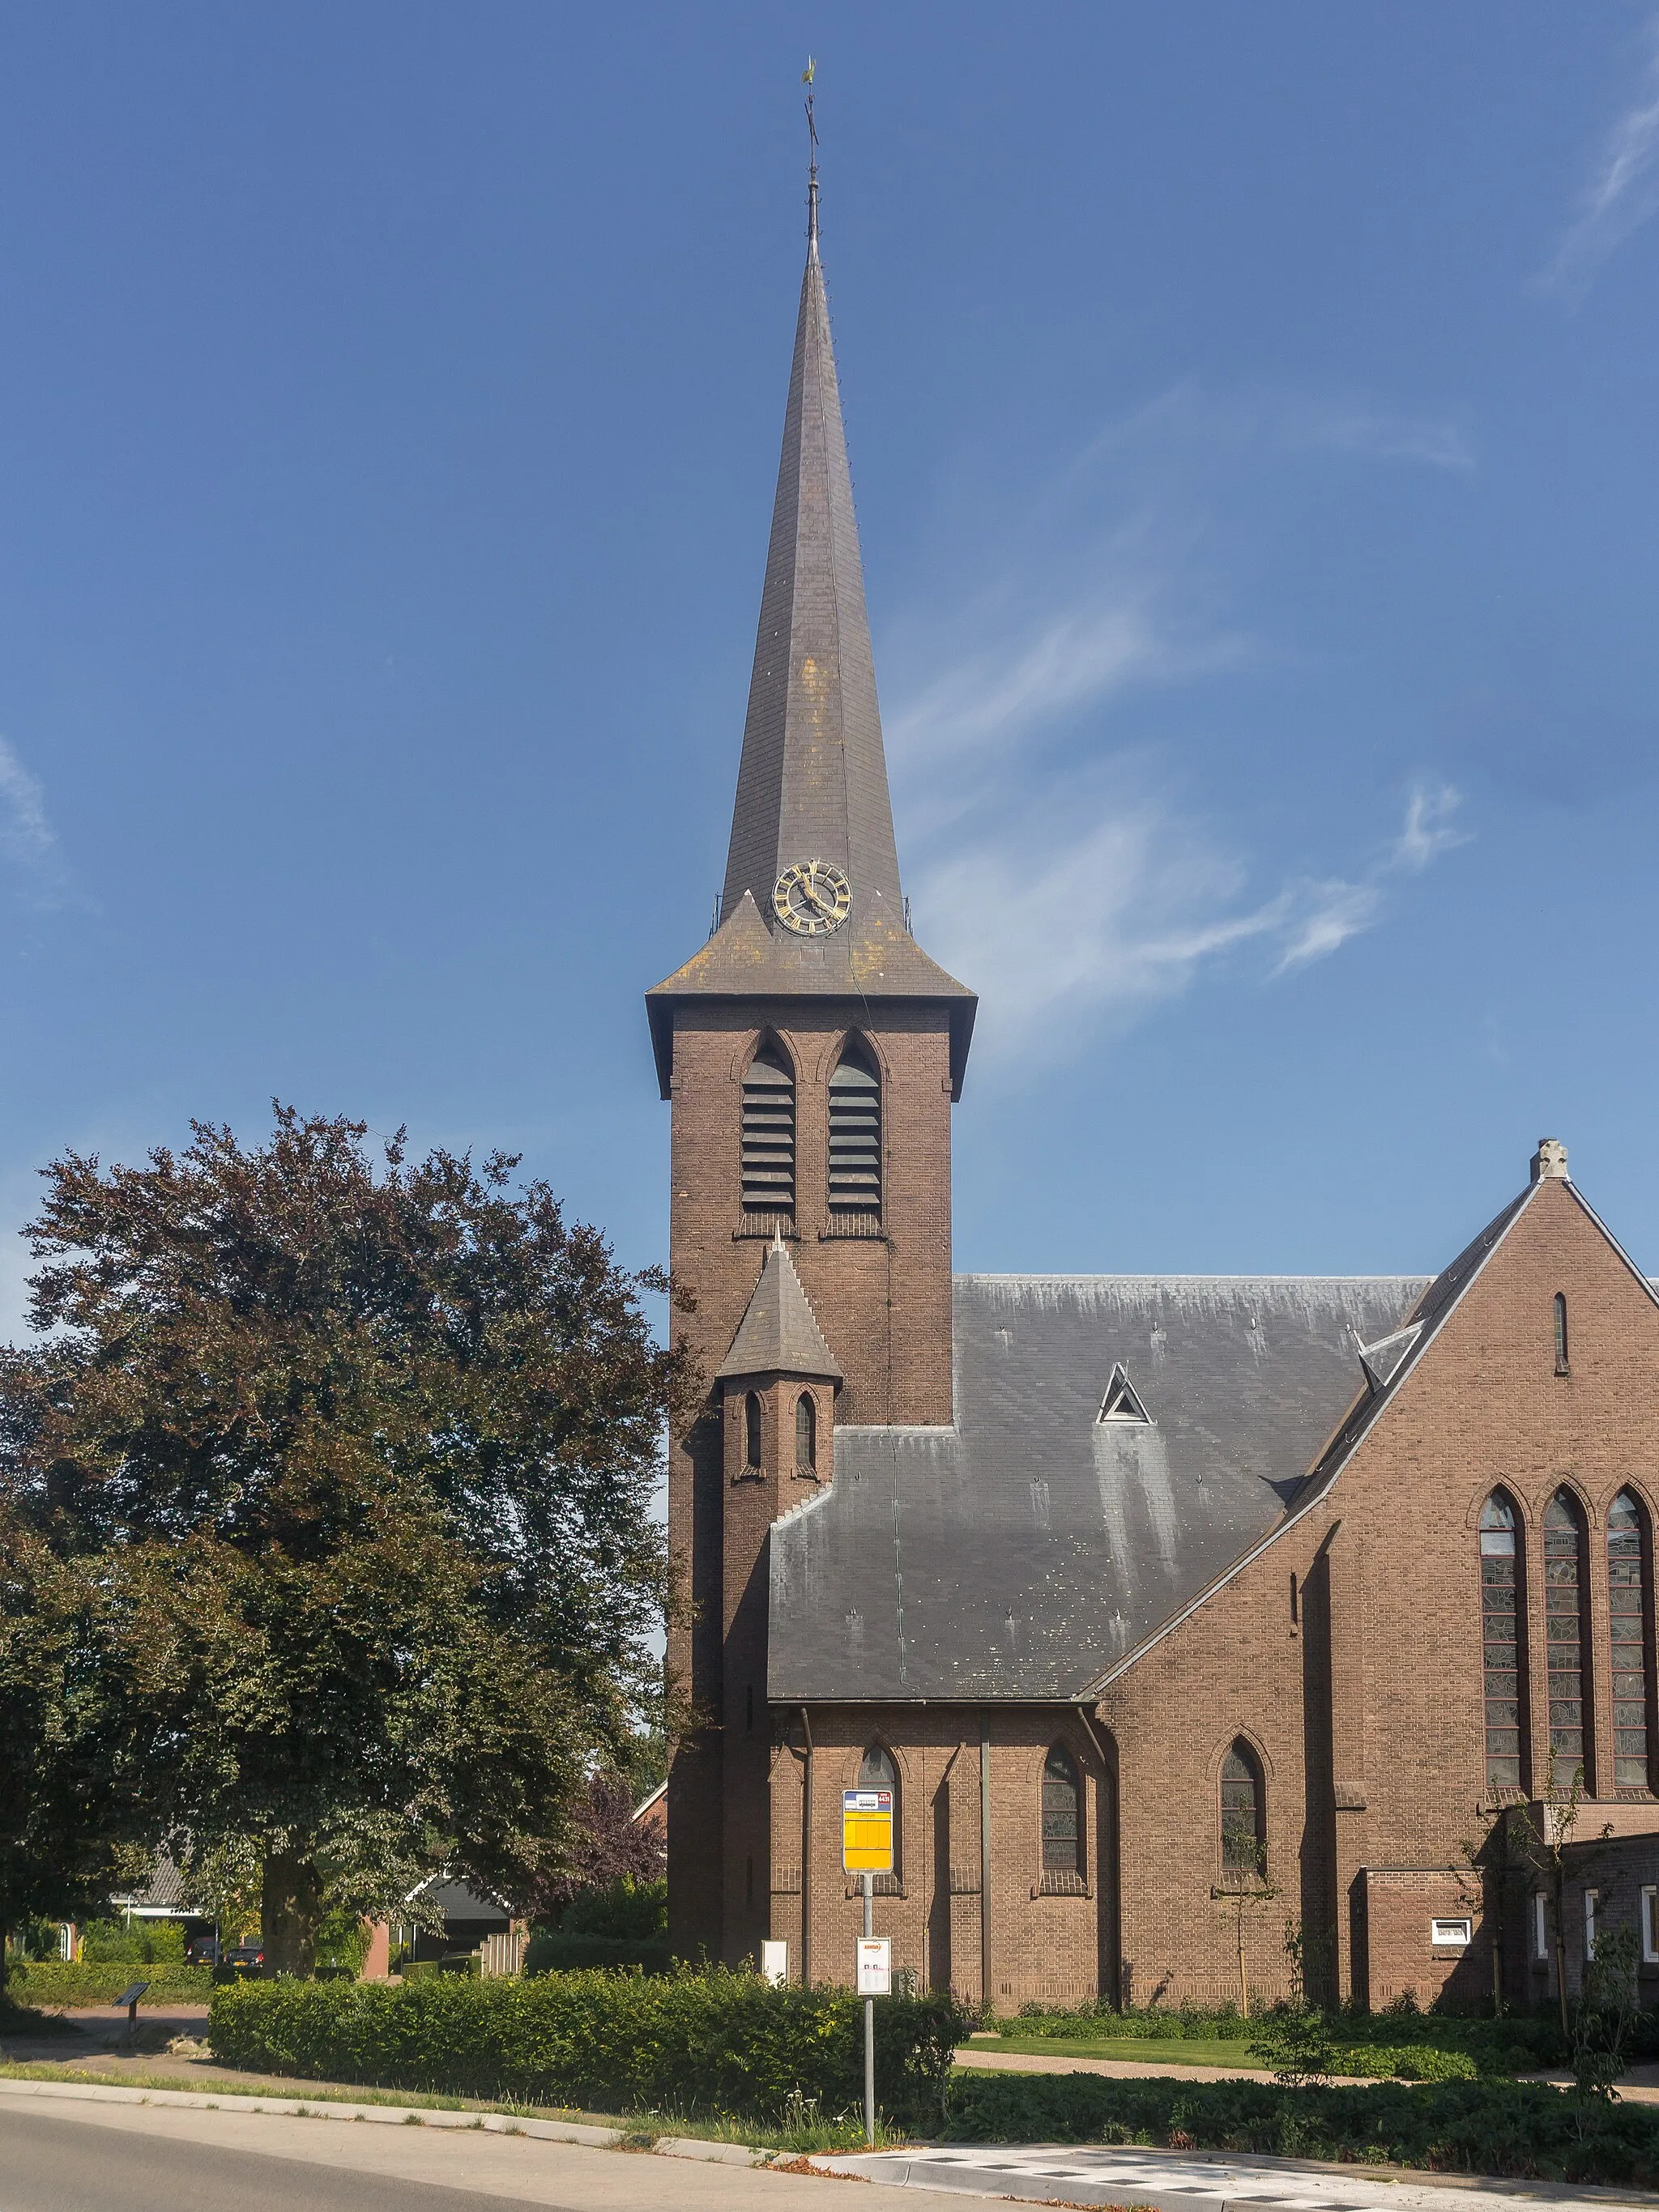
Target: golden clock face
x=811, y=897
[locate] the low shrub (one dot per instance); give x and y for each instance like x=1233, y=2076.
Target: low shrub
x=464, y=1963
x=1502, y=2128
x=56, y=1981
x=552, y=1951
x=710, y=2041
x=132, y=1944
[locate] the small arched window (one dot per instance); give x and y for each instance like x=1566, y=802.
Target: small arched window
x=1561, y=1366
x=1062, y=1827
x=769, y=1134
x=1243, y=1814
x=752, y=1431
x=1501, y=1640
x=1566, y=1590
x=854, y=1139
x=806, y=1433
x=1630, y=1573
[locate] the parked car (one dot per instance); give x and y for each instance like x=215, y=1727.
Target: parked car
x=246, y=1957
x=204, y=1951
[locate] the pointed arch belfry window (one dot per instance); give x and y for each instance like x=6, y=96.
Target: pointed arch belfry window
x=768, y=1134
x=752, y=1430
x=1565, y=1595
x=855, y=1138
x=1504, y=1647
x=806, y=1433
x=1630, y=1598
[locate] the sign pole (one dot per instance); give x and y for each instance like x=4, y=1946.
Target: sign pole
x=869, y=2028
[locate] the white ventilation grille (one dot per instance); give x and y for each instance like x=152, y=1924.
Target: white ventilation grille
x=1123, y=1400
x=769, y=1134
x=854, y=1138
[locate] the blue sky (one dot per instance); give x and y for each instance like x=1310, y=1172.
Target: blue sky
x=1252, y=421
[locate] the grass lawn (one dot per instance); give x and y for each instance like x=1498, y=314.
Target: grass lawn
x=1141, y=2049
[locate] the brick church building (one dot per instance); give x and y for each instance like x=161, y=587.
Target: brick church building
x=1141, y=1592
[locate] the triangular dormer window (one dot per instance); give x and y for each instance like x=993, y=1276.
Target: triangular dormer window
x=1122, y=1402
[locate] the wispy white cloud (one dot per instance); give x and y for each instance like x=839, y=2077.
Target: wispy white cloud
x=1623, y=193
x=1070, y=933
x=27, y=840
x=1429, y=830
x=1372, y=433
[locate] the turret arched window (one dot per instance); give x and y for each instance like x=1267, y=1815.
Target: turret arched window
x=1243, y=1814
x=1504, y=1640
x=768, y=1134
x=1565, y=1593
x=752, y=1430
x=1629, y=1584
x=806, y=1433
x=854, y=1139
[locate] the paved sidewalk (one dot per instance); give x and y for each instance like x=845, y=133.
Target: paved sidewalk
x=1177, y=2181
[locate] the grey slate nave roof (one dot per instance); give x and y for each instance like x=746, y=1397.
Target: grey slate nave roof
x=1023, y=1552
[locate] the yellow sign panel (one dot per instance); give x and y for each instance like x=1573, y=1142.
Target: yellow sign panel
x=866, y=1831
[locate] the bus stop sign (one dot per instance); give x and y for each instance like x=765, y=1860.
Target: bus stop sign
x=866, y=1831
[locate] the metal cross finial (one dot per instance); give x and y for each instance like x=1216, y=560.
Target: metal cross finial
x=806, y=77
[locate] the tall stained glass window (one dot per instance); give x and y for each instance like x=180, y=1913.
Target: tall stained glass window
x=1627, y=1623
x=1565, y=1592
x=1244, y=1821
x=1500, y=1622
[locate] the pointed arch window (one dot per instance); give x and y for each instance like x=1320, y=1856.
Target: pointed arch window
x=854, y=1139
x=1566, y=1590
x=1243, y=1815
x=806, y=1433
x=878, y=1770
x=1630, y=1591
x=1062, y=1821
x=768, y=1134
x=1502, y=1641
x=751, y=1432
x=1561, y=1362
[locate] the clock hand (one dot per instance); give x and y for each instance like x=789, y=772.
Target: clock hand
x=824, y=906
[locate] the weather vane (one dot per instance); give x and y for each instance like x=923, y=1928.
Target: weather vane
x=806, y=77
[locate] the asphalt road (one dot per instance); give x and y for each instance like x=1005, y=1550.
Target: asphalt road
x=55, y=2165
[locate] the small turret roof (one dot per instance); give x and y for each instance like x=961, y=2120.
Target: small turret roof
x=779, y=1334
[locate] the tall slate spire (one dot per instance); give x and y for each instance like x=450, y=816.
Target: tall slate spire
x=812, y=780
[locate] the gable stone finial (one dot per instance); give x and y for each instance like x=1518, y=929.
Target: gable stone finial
x=1549, y=1162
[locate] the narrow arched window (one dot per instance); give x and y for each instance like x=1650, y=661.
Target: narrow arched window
x=855, y=1140
x=769, y=1134
x=1630, y=1571
x=1062, y=1828
x=1561, y=1367
x=752, y=1431
x=806, y=1433
x=877, y=1770
x=1502, y=1637
x=1564, y=1593
x=1243, y=1814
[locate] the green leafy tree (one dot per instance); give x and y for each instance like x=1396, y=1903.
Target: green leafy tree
x=1605, y=2015
x=327, y=1479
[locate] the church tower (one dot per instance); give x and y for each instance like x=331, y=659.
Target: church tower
x=810, y=1052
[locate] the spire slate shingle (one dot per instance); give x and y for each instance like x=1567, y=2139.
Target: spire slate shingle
x=779, y=1334
x=812, y=779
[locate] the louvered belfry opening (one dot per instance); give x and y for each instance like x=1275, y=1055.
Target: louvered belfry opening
x=769, y=1135
x=854, y=1142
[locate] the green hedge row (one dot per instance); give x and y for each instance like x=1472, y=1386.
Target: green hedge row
x=550, y=1951
x=1459, y=2127
x=56, y=1981
x=711, y=2041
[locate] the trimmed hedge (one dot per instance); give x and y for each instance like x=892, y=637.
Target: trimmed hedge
x=1514, y=2128
x=712, y=2041
x=56, y=1981
x=550, y=1951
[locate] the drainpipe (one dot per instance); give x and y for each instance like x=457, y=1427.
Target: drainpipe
x=806, y=1858
x=984, y=1981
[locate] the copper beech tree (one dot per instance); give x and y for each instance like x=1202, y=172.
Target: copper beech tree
x=324, y=1488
